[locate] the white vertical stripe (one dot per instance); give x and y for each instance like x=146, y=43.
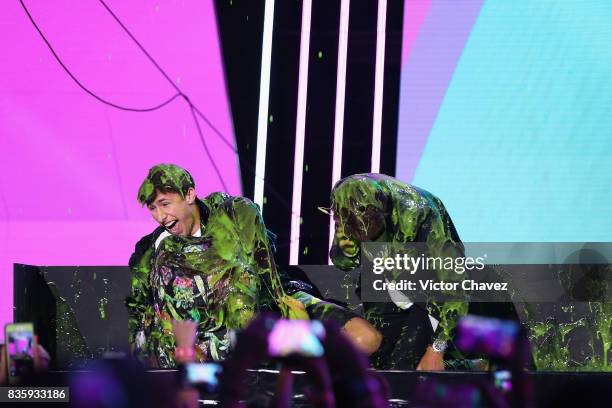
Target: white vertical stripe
x=340, y=96
x=264, y=97
x=379, y=80
x=300, y=127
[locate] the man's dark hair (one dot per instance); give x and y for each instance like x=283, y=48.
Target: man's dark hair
x=164, y=178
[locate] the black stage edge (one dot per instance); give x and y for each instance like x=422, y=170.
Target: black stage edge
x=79, y=313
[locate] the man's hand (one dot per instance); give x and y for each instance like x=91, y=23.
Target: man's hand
x=363, y=335
x=185, y=332
x=40, y=356
x=431, y=361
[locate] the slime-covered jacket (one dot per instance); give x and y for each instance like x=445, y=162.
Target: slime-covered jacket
x=220, y=279
x=410, y=215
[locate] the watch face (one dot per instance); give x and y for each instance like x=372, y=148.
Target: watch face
x=439, y=346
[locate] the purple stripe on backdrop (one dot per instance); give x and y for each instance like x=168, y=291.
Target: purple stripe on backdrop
x=414, y=15
x=427, y=73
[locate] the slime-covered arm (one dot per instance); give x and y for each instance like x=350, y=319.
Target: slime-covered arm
x=240, y=231
x=438, y=231
x=140, y=311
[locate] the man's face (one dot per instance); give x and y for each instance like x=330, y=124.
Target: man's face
x=360, y=224
x=177, y=214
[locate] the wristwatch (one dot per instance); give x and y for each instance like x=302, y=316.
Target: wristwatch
x=439, y=346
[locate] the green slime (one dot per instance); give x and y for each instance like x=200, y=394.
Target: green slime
x=552, y=339
x=407, y=212
x=167, y=176
x=231, y=275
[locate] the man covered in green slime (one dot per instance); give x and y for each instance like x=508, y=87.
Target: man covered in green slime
x=380, y=208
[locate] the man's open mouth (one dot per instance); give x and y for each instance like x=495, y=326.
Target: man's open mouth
x=171, y=225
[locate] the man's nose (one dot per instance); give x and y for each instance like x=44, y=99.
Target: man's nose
x=340, y=233
x=159, y=215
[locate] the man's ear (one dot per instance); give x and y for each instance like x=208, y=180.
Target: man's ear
x=190, y=196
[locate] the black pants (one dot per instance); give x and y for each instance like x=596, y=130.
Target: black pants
x=406, y=335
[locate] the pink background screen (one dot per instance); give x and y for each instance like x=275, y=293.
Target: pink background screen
x=71, y=165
